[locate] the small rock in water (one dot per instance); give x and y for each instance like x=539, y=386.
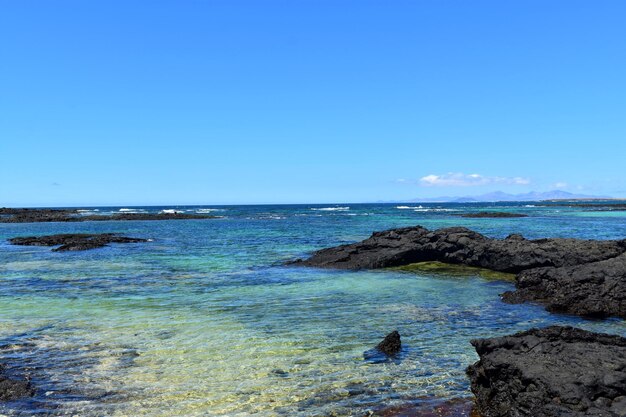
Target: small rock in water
x=391, y=344
x=12, y=389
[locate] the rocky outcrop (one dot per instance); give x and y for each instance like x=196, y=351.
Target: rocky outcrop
x=20, y=215
x=391, y=344
x=492, y=214
x=584, y=277
x=75, y=241
x=459, y=245
x=596, y=289
x=12, y=389
x=551, y=372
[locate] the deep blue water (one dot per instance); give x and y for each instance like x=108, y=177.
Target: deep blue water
x=206, y=320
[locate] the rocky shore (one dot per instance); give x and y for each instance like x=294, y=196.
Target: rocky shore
x=583, y=277
x=74, y=241
x=26, y=215
x=551, y=372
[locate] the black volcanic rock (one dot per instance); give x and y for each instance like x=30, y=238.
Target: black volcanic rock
x=12, y=389
x=551, y=372
x=596, y=289
x=21, y=215
x=459, y=245
x=492, y=214
x=391, y=344
x=583, y=277
x=74, y=241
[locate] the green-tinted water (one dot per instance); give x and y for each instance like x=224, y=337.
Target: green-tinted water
x=204, y=320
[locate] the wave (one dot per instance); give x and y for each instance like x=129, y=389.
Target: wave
x=127, y=210
x=171, y=211
x=530, y=205
x=331, y=209
x=422, y=210
x=208, y=210
x=408, y=207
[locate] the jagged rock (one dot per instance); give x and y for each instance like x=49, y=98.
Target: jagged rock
x=13, y=389
x=459, y=245
x=584, y=277
x=74, y=241
x=597, y=289
x=391, y=344
x=551, y=372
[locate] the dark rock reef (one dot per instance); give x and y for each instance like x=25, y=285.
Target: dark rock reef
x=25, y=215
x=551, y=372
x=585, y=277
x=492, y=215
x=596, y=289
x=13, y=389
x=74, y=241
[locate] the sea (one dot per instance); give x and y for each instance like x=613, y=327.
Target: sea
x=207, y=318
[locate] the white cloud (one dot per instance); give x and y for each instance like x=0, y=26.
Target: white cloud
x=560, y=184
x=458, y=179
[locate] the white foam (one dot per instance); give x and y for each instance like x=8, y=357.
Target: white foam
x=171, y=211
x=530, y=205
x=208, y=210
x=422, y=210
x=408, y=207
x=331, y=209
x=127, y=210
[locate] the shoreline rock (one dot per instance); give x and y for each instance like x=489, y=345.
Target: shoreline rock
x=550, y=372
x=74, y=241
x=583, y=277
x=26, y=215
x=595, y=290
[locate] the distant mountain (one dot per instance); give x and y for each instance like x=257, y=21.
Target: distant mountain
x=502, y=196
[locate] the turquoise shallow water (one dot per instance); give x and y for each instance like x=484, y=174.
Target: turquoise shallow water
x=205, y=320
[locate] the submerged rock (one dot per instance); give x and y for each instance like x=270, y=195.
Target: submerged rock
x=12, y=389
x=74, y=241
x=430, y=407
x=550, y=372
x=584, y=277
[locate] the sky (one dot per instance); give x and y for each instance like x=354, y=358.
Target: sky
x=308, y=101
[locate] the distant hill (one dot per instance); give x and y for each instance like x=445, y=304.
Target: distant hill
x=502, y=196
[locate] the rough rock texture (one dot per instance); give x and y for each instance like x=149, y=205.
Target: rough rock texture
x=584, y=277
x=597, y=289
x=459, y=245
x=74, y=242
x=492, y=214
x=11, y=215
x=391, y=344
x=556, y=371
x=13, y=389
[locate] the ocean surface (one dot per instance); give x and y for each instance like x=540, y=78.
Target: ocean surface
x=205, y=320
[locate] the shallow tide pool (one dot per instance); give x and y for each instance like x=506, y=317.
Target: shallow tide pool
x=207, y=320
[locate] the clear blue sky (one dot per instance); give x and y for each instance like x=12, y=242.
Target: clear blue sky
x=163, y=102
